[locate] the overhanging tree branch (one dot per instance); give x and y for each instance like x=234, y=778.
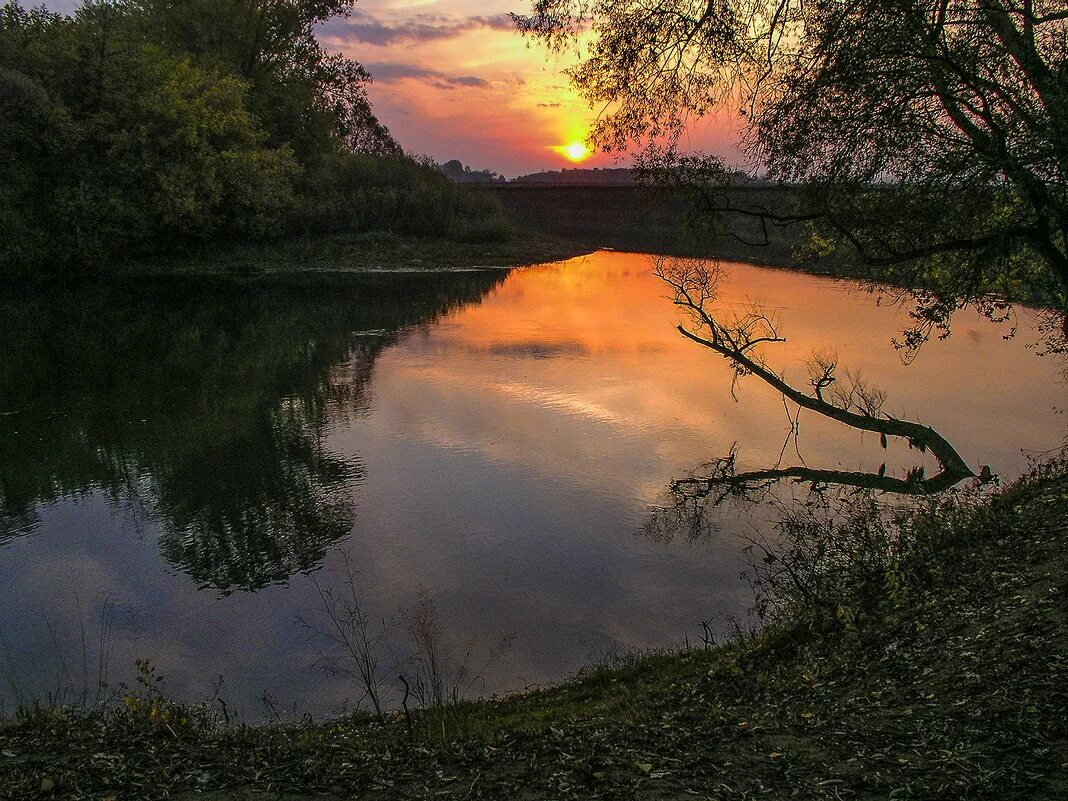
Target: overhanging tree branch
x=695, y=285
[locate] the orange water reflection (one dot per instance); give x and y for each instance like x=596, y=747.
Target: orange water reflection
x=577, y=368
x=513, y=449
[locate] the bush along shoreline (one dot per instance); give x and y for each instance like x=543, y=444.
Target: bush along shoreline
x=337, y=255
x=139, y=129
x=936, y=666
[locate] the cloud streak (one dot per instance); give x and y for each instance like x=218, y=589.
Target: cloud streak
x=421, y=29
x=453, y=80
x=392, y=72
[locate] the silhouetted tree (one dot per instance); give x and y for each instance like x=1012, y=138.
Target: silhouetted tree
x=453, y=169
x=457, y=172
x=930, y=136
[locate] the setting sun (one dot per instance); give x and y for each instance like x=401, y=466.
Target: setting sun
x=576, y=151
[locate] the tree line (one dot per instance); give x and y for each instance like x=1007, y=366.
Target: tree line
x=139, y=126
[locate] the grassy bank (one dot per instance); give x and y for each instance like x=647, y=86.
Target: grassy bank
x=941, y=676
x=346, y=253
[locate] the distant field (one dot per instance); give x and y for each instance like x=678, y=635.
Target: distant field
x=626, y=218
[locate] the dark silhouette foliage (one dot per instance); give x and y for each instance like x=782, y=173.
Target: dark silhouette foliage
x=458, y=172
x=927, y=139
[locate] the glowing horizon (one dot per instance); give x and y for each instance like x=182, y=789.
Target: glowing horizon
x=455, y=81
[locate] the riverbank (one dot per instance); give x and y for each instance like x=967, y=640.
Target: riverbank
x=943, y=678
x=545, y=224
x=340, y=254
x=633, y=219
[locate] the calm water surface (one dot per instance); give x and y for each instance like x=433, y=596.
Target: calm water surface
x=193, y=455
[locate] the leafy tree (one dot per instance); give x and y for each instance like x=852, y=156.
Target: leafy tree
x=135, y=126
x=35, y=138
x=204, y=153
x=927, y=138
x=302, y=93
x=454, y=170
x=459, y=173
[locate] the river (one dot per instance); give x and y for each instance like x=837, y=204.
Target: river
x=187, y=459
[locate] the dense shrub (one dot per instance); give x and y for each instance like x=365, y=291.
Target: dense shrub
x=841, y=555
x=365, y=192
x=138, y=127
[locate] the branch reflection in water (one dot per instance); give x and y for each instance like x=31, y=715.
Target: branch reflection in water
x=741, y=337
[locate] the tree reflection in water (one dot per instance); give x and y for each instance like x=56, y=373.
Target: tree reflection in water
x=741, y=337
x=204, y=403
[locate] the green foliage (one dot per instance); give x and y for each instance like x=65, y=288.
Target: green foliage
x=203, y=153
x=34, y=139
x=133, y=128
x=367, y=192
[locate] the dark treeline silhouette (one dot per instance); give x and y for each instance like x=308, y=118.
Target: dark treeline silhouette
x=635, y=218
x=133, y=127
x=458, y=172
x=613, y=176
x=205, y=407
x=578, y=176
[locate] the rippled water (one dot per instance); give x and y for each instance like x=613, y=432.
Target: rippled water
x=194, y=455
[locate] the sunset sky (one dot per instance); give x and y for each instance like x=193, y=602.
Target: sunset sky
x=453, y=80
